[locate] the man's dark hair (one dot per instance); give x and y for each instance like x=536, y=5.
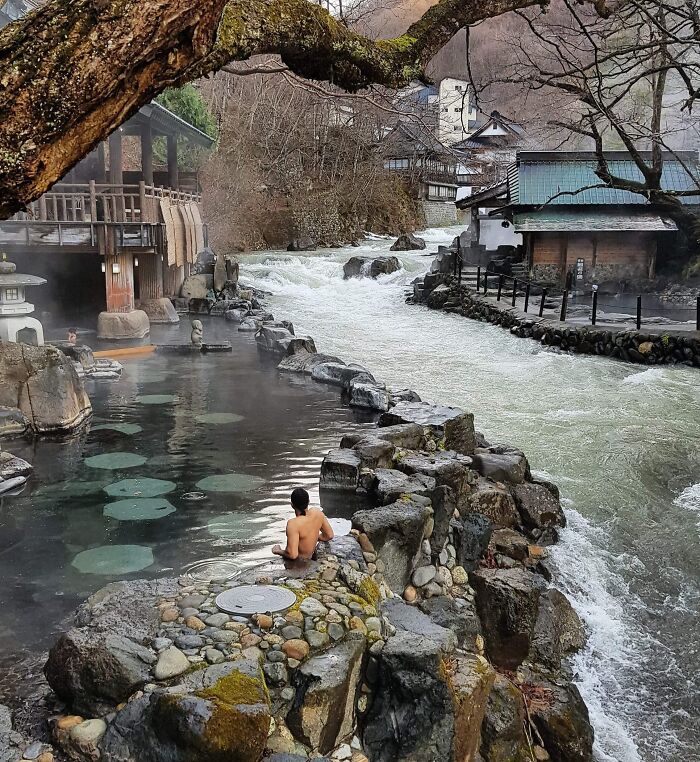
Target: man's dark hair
x=300, y=500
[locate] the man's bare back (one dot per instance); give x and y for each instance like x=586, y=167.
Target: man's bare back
x=304, y=531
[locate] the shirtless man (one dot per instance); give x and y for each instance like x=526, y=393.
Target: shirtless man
x=305, y=530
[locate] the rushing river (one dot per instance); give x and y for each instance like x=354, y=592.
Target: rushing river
x=621, y=442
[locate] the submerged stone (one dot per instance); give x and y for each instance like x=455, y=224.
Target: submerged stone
x=139, y=509
x=142, y=486
x=218, y=418
x=114, y=559
x=233, y=482
x=122, y=428
x=114, y=461
x=156, y=399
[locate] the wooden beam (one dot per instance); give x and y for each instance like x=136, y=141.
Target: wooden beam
x=116, y=165
x=147, y=153
x=173, y=172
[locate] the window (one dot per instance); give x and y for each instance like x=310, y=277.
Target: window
x=459, y=88
x=12, y=294
x=397, y=164
x=442, y=192
x=458, y=110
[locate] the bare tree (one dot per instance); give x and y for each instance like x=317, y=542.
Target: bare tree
x=630, y=81
x=74, y=70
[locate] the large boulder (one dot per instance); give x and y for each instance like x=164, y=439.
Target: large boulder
x=43, y=384
x=493, y=499
x=450, y=424
x=357, y=267
x=502, y=464
x=197, y=286
x=13, y=422
x=94, y=672
x=561, y=718
x=558, y=631
x=390, y=485
x=410, y=619
x=160, y=311
x=407, y=436
x=123, y=325
x=373, y=452
x=396, y=531
x=323, y=713
x=455, y=614
x=217, y=714
x=339, y=374
x=408, y=242
x=503, y=736
x=305, y=363
x=341, y=470
x=472, y=536
x=302, y=243
x=369, y=396
x=508, y=604
x=538, y=507
x=447, y=467
x=426, y=707
x=102, y=660
x=269, y=335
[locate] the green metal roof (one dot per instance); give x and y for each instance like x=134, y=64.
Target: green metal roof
x=536, y=178
x=553, y=220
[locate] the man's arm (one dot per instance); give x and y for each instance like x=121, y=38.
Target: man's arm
x=292, y=549
x=326, y=533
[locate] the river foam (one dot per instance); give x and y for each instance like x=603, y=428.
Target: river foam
x=620, y=442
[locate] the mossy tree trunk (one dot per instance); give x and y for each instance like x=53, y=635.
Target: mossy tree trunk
x=73, y=71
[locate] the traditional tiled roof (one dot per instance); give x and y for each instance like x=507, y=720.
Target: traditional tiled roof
x=537, y=177
x=550, y=219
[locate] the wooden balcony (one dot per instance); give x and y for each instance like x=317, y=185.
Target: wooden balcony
x=82, y=217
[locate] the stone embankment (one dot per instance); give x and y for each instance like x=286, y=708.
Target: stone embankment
x=440, y=291
x=430, y=633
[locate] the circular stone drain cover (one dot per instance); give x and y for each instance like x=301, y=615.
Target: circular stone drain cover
x=255, y=599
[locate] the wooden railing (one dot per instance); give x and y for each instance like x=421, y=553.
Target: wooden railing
x=103, y=202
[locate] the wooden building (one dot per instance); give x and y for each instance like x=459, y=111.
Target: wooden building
x=597, y=234
x=120, y=240
x=429, y=167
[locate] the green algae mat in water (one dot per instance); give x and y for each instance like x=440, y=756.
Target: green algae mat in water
x=156, y=399
x=139, y=509
x=231, y=526
x=113, y=461
x=113, y=560
x=218, y=418
x=122, y=428
x=230, y=483
x=142, y=486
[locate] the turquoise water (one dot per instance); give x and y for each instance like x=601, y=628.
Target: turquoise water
x=120, y=499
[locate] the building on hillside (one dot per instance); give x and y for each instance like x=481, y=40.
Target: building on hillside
x=486, y=154
x=114, y=240
x=429, y=168
x=592, y=235
x=446, y=108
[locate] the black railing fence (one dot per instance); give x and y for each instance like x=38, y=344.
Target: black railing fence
x=526, y=287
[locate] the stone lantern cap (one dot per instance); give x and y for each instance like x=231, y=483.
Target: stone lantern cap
x=9, y=276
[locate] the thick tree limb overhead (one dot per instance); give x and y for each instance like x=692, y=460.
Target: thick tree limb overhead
x=73, y=71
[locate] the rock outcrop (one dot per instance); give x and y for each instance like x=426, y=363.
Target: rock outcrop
x=43, y=385
x=408, y=242
x=357, y=267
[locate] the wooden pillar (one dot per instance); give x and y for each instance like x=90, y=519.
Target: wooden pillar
x=120, y=286
x=101, y=164
x=116, y=165
x=150, y=276
x=147, y=153
x=173, y=172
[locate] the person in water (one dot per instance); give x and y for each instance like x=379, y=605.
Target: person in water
x=72, y=335
x=309, y=527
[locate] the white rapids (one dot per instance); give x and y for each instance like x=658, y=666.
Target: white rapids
x=621, y=442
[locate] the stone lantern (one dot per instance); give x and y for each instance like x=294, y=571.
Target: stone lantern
x=15, y=321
